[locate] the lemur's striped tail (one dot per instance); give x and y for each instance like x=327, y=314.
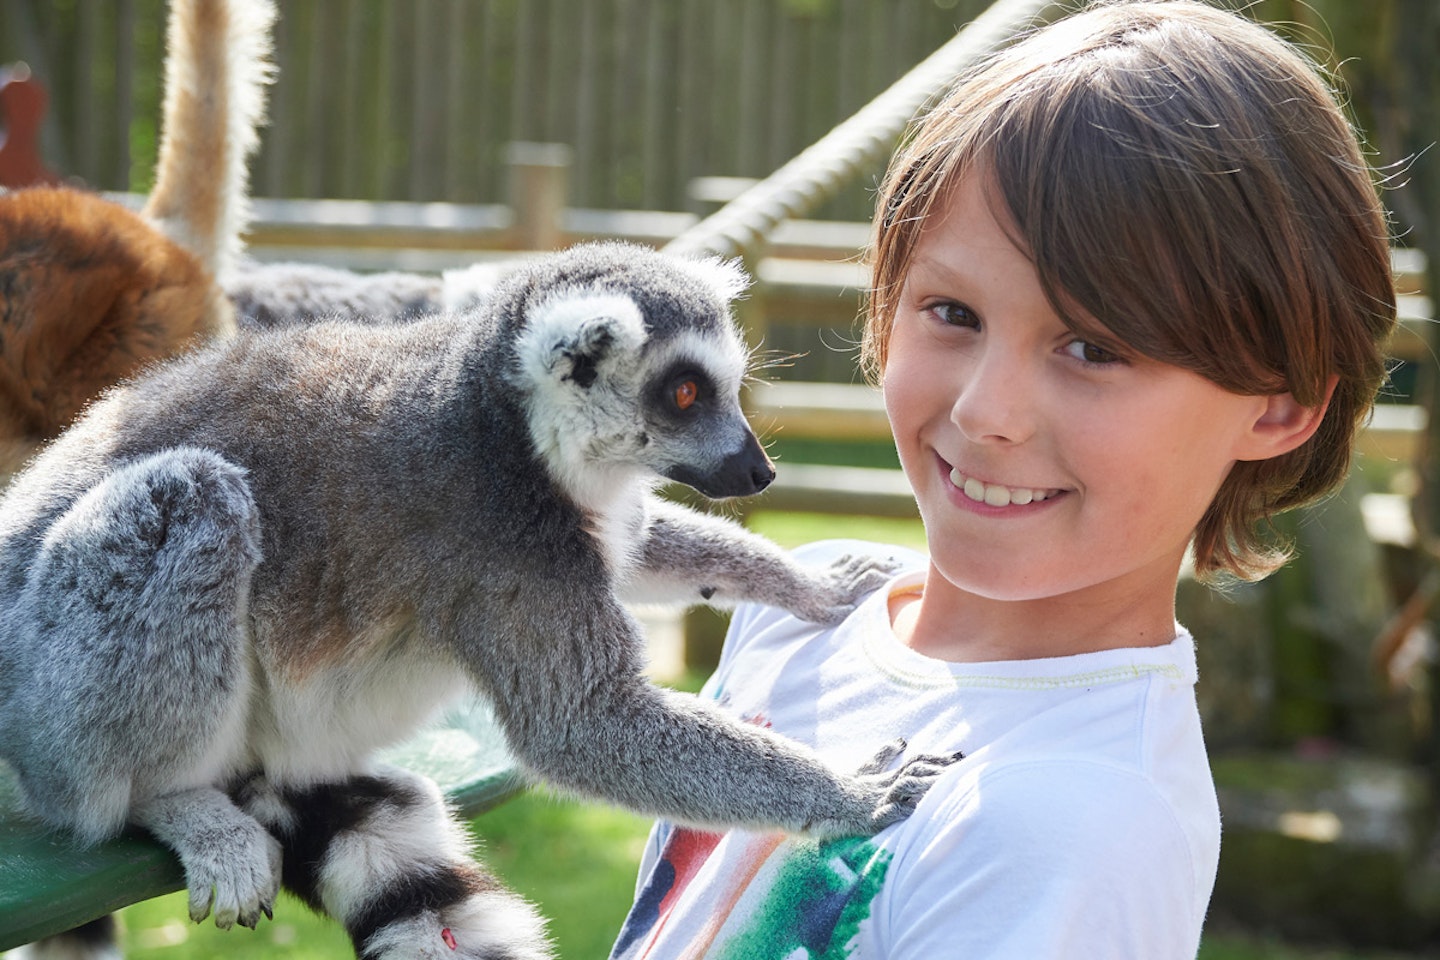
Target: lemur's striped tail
x=383, y=855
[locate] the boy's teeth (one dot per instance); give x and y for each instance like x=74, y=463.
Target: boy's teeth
x=994, y=494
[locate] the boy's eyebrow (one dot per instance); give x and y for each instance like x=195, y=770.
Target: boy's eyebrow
x=934, y=264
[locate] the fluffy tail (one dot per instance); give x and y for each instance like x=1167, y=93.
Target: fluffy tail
x=383, y=855
x=216, y=71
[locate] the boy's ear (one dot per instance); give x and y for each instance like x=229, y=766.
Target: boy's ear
x=1283, y=425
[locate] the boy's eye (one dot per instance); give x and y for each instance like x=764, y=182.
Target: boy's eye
x=955, y=315
x=1090, y=353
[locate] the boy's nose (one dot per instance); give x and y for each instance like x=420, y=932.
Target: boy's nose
x=996, y=402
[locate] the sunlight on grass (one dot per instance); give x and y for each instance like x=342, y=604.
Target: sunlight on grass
x=793, y=529
x=161, y=930
x=576, y=861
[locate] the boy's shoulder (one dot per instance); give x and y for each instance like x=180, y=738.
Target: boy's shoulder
x=819, y=555
x=1065, y=810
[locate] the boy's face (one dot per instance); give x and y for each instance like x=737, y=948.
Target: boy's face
x=1044, y=466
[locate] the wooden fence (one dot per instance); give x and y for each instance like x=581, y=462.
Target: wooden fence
x=404, y=101
x=415, y=99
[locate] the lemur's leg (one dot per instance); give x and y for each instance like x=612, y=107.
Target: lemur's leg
x=380, y=853
x=134, y=601
x=689, y=557
x=569, y=690
x=232, y=865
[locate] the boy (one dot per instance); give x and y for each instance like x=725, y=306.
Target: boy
x=1131, y=288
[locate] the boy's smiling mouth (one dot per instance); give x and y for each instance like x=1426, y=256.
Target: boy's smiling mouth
x=998, y=495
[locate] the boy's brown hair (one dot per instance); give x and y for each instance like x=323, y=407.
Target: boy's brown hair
x=1186, y=185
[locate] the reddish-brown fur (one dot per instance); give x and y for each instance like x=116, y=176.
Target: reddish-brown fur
x=89, y=292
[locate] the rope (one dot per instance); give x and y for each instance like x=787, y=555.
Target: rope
x=857, y=144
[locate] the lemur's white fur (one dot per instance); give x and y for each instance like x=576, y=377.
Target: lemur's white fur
x=350, y=710
x=392, y=838
x=474, y=925
x=727, y=277
x=572, y=429
x=589, y=440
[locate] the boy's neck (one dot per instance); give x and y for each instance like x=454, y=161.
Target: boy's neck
x=947, y=623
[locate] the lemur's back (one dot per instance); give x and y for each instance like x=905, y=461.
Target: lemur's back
x=358, y=442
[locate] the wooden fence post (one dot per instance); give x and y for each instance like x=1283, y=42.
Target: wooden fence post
x=22, y=109
x=539, y=191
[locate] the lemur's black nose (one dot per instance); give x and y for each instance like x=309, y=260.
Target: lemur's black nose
x=742, y=473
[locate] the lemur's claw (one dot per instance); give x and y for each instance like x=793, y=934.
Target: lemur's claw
x=903, y=788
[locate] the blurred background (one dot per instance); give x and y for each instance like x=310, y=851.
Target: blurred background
x=429, y=134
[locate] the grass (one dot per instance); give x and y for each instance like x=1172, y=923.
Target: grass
x=793, y=529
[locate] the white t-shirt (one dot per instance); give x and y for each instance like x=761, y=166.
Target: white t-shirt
x=1081, y=823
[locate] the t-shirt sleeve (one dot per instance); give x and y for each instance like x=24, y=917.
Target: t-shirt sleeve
x=1043, y=860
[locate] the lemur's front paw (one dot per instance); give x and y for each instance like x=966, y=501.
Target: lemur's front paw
x=902, y=788
x=841, y=585
x=889, y=795
x=236, y=876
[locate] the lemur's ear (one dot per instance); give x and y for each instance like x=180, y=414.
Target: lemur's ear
x=569, y=336
x=726, y=277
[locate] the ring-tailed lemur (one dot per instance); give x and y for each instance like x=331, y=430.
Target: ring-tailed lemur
x=239, y=575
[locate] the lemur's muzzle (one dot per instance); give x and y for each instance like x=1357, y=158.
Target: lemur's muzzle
x=743, y=473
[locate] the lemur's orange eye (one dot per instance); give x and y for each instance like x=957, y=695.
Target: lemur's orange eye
x=685, y=394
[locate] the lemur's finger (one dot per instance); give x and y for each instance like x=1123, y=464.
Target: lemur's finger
x=201, y=897
x=883, y=758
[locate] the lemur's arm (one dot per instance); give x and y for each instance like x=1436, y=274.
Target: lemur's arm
x=691, y=557
x=578, y=712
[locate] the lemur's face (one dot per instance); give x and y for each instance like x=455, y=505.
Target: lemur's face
x=643, y=381
x=697, y=433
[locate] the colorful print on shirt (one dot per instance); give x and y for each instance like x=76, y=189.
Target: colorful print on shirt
x=783, y=898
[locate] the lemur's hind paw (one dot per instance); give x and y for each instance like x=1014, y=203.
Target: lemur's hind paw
x=843, y=584
x=237, y=881
x=232, y=864
x=901, y=789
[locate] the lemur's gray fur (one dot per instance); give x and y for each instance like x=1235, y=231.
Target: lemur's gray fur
x=272, y=295
x=242, y=573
